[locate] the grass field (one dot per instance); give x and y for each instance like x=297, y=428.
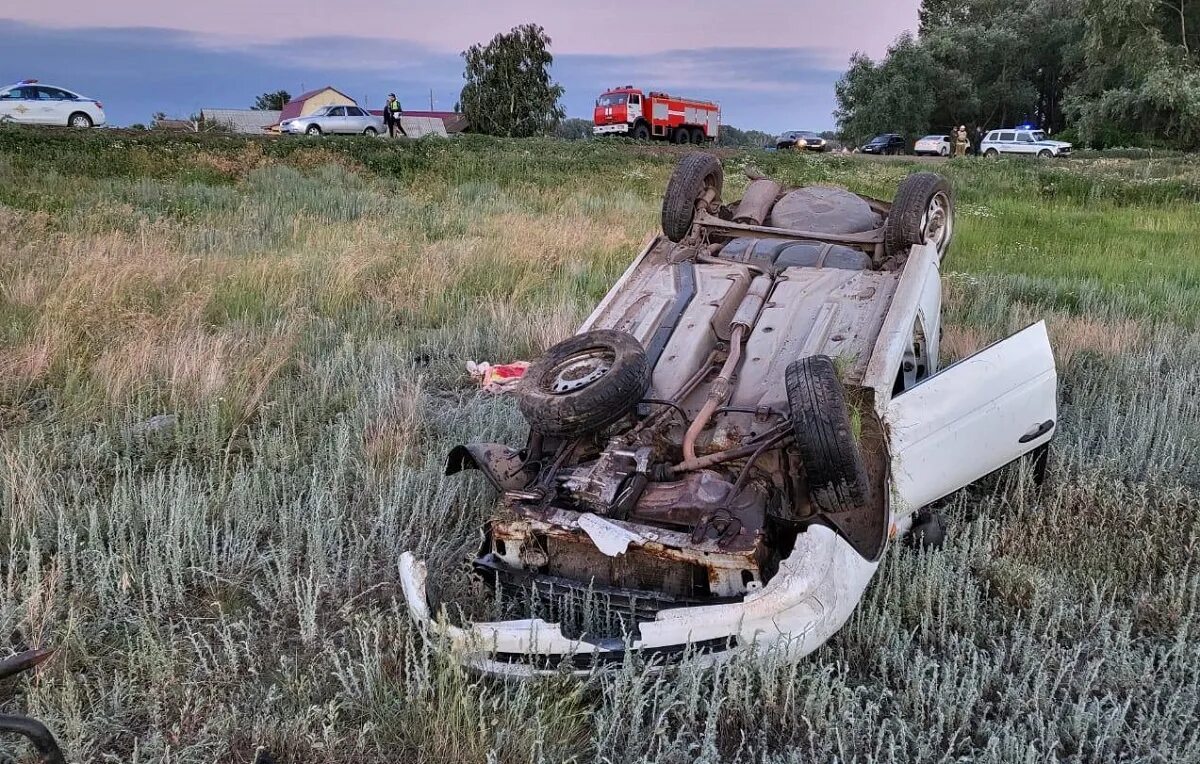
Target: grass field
x=298, y=315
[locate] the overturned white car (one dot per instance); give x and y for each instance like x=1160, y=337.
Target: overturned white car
x=719, y=457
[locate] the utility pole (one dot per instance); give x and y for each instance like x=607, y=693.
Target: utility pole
x=431, y=100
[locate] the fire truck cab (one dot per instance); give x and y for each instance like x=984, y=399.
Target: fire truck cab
x=645, y=116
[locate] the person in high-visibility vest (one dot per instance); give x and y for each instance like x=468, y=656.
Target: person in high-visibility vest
x=391, y=116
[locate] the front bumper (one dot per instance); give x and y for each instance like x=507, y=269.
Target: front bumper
x=620, y=128
x=806, y=602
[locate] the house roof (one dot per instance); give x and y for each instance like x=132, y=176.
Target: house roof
x=292, y=108
x=250, y=121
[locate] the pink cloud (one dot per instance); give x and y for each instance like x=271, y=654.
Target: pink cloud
x=613, y=27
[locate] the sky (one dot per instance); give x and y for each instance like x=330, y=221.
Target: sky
x=770, y=64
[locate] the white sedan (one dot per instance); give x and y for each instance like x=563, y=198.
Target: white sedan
x=933, y=145
x=31, y=102
x=349, y=120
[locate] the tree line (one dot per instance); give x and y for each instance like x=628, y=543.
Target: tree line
x=1100, y=72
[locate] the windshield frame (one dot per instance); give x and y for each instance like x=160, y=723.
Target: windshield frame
x=607, y=100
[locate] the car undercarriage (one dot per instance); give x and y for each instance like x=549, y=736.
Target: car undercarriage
x=712, y=457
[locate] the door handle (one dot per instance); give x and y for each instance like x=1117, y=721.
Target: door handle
x=1037, y=431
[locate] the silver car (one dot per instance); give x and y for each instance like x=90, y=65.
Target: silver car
x=350, y=120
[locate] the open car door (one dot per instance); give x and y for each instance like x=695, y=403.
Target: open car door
x=971, y=418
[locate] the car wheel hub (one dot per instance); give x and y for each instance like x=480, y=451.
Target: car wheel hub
x=936, y=222
x=580, y=371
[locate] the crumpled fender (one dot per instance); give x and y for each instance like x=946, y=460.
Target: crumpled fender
x=806, y=602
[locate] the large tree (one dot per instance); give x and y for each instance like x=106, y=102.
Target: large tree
x=272, y=101
x=509, y=91
x=1141, y=82
x=983, y=63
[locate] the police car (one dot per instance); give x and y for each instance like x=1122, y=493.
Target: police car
x=1022, y=140
x=31, y=102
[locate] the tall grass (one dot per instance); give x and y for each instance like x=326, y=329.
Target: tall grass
x=304, y=311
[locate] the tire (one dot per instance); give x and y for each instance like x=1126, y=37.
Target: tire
x=992, y=154
x=79, y=119
x=696, y=135
x=694, y=174
x=832, y=461
x=680, y=135
x=370, y=132
x=641, y=132
x=313, y=130
x=584, y=383
x=1045, y=154
x=922, y=213
x=943, y=152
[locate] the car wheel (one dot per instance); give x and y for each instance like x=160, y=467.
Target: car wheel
x=1045, y=154
x=832, y=459
x=313, y=130
x=641, y=132
x=370, y=132
x=922, y=213
x=695, y=176
x=991, y=154
x=79, y=119
x=945, y=152
x=697, y=136
x=584, y=383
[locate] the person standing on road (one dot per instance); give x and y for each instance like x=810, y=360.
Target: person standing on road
x=391, y=116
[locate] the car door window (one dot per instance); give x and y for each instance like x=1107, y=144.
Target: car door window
x=1006, y=137
x=354, y=111
x=337, y=111
x=53, y=94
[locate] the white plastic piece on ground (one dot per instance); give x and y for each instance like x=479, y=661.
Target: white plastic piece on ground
x=609, y=538
x=806, y=602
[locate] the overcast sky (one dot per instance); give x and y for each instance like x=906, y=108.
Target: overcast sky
x=770, y=64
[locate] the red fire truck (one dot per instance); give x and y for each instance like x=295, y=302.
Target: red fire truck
x=629, y=111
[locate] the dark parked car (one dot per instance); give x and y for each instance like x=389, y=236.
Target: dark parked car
x=888, y=143
x=801, y=139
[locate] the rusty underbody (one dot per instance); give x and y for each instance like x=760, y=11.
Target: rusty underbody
x=657, y=511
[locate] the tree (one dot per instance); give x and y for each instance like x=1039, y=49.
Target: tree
x=982, y=63
x=743, y=139
x=272, y=101
x=1141, y=79
x=573, y=129
x=508, y=90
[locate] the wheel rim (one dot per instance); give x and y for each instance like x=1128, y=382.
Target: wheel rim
x=579, y=371
x=79, y=121
x=937, y=224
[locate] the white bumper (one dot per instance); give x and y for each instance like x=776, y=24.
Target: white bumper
x=808, y=600
x=620, y=128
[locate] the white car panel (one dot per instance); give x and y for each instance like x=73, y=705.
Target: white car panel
x=972, y=418
x=806, y=602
